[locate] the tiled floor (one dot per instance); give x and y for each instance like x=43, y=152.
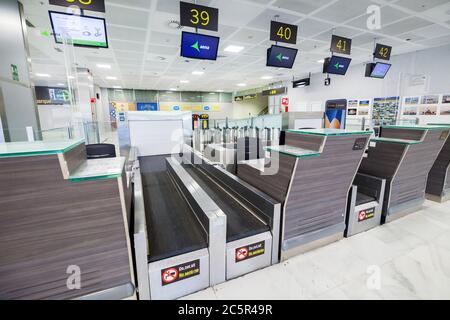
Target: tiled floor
x=405, y=259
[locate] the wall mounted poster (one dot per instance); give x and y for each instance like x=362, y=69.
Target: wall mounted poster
x=364, y=103
x=428, y=110
x=432, y=99
x=446, y=98
x=385, y=110
x=412, y=101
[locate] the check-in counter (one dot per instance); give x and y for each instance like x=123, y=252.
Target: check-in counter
x=438, y=184
x=63, y=223
x=311, y=176
x=403, y=155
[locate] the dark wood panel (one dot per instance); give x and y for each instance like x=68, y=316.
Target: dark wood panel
x=48, y=223
x=407, y=134
x=311, y=142
x=411, y=179
x=75, y=157
x=318, y=195
x=383, y=160
x=438, y=178
x=276, y=185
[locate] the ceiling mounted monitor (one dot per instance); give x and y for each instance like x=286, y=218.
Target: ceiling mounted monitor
x=336, y=65
x=377, y=70
x=281, y=57
x=84, y=31
x=199, y=46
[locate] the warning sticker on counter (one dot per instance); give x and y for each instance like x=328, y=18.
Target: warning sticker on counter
x=250, y=251
x=366, y=214
x=444, y=135
x=360, y=144
x=180, y=272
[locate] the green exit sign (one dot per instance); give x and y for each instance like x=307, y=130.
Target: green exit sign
x=14, y=72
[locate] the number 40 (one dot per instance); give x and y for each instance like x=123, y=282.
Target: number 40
x=284, y=33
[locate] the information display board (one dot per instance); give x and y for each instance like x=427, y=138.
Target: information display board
x=283, y=32
x=200, y=17
x=198, y=46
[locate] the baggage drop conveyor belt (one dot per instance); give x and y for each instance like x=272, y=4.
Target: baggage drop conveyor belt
x=172, y=227
x=241, y=223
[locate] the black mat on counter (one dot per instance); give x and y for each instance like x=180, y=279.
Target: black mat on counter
x=240, y=222
x=172, y=227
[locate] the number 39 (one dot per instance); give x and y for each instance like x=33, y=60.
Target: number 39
x=197, y=16
x=85, y=2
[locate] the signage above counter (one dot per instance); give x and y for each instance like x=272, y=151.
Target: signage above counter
x=283, y=32
x=199, y=17
x=91, y=5
x=341, y=45
x=274, y=92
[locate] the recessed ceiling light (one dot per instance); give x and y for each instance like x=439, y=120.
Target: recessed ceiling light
x=266, y=77
x=242, y=84
x=212, y=93
x=219, y=90
x=117, y=87
x=173, y=89
x=111, y=78
x=184, y=81
x=234, y=49
x=43, y=75
x=103, y=66
x=197, y=73
x=321, y=61
x=60, y=84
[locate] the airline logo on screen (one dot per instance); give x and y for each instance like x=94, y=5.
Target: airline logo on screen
x=338, y=66
x=199, y=47
x=280, y=57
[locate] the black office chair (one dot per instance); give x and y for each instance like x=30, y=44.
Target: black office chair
x=100, y=151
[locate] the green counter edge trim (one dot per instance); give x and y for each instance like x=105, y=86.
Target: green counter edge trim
x=294, y=155
x=396, y=142
x=330, y=134
x=103, y=177
x=422, y=128
x=41, y=153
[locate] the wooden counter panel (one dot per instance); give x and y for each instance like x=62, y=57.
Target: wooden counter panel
x=311, y=142
x=411, y=179
x=407, y=134
x=75, y=157
x=439, y=176
x=383, y=160
x=318, y=195
x=47, y=224
x=275, y=186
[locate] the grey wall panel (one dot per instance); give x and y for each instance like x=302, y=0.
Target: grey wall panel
x=318, y=195
x=48, y=224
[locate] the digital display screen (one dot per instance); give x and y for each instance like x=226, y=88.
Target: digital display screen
x=281, y=57
x=380, y=70
x=337, y=65
x=80, y=30
x=198, y=46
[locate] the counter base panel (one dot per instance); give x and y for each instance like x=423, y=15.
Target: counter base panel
x=172, y=227
x=311, y=241
x=237, y=268
x=441, y=199
x=404, y=209
x=183, y=287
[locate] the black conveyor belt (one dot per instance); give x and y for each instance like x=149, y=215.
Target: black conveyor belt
x=240, y=222
x=362, y=198
x=172, y=227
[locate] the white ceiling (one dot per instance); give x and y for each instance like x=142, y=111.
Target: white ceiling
x=144, y=51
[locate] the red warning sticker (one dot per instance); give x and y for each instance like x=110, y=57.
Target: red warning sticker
x=250, y=251
x=366, y=214
x=180, y=272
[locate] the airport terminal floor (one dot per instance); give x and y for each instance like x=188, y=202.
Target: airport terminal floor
x=245, y=150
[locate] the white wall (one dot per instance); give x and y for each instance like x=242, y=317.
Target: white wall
x=433, y=63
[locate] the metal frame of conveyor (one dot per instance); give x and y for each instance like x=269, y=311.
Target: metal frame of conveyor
x=207, y=265
x=364, y=214
x=262, y=249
